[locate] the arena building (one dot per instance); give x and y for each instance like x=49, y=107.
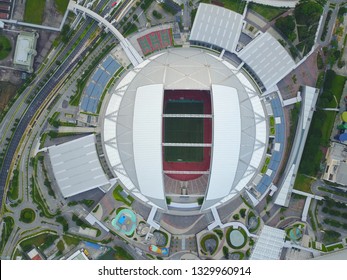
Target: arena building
x=185, y=129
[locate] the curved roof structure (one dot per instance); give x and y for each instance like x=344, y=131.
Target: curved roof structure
x=133, y=124
x=268, y=59
x=217, y=26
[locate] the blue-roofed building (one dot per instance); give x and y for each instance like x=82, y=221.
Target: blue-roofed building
x=98, y=82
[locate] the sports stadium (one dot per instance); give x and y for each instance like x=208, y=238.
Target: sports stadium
x=185, y=130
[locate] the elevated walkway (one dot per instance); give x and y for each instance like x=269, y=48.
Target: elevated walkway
x=129, y=50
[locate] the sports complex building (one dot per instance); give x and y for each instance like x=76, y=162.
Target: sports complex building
x=188, y=129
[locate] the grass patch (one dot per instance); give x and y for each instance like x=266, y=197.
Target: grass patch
x=88, y=202
x=339, y=193
x=303, y=183
x=267, y=12
x=61, y=246
x=34, y=11
x=6, y=231
x=331, y=236
x=69, y=240
x=39, y=200
x=27, y=216
x=265, y=166
x=5, y=47
x=61, y=5
x=235, y=5
x=250, y=215
x=313, y=223
x=333, y=247
x=118, y=253
x=219, y=232
x=41, y=241
x=322, y=124
x=203, y=243
x=128, y=200
x=61, y=220
x=14, y=189
x=129, y=28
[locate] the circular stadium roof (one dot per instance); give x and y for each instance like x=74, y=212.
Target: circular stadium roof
x=132, y=131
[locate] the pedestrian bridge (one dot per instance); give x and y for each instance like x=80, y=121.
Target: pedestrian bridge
x=134, y=57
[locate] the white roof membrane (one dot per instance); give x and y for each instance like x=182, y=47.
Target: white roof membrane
x=76, y=166
x=226, y=134
x=268, y=59
x=147, y=138
x=217, y=26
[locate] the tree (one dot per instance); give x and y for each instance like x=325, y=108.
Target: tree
x=307, y=12
x=287, y=26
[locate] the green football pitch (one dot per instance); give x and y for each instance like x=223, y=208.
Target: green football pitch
x=183, y=130
x=184, y=154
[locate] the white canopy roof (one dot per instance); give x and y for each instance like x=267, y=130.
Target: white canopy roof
x=268, y=59
x=147, y=138
x=226, y=134
x=217, y=26
x=269, y=245
x=76, y=166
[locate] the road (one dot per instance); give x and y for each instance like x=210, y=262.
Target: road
x=331, y=24
x=30, y=141
x=25, y=115
x=319, y=183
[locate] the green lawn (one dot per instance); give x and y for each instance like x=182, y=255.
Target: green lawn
x=117, y=254
x=61, y=5
x=5, y=47
x=322, y=124
x=184, y=154
x=43, y=241
x=184, y=130
x=6, y=231
x=69, y=240
x=27, y=215
x=303, y=183
x=268, y=12
x=265, y=166
x=14, y=189
x=207, y=237
x=234, y=5
x=117, y=196
x=34, y=11
x=129, y=29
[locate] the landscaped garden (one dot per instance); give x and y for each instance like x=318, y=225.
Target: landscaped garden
x=27, y=216
x=41, y=241
x=120, y=195
x=322, y=124
x=209, y=244
x=267, y=12
x=236, y=238
x=253, y=222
